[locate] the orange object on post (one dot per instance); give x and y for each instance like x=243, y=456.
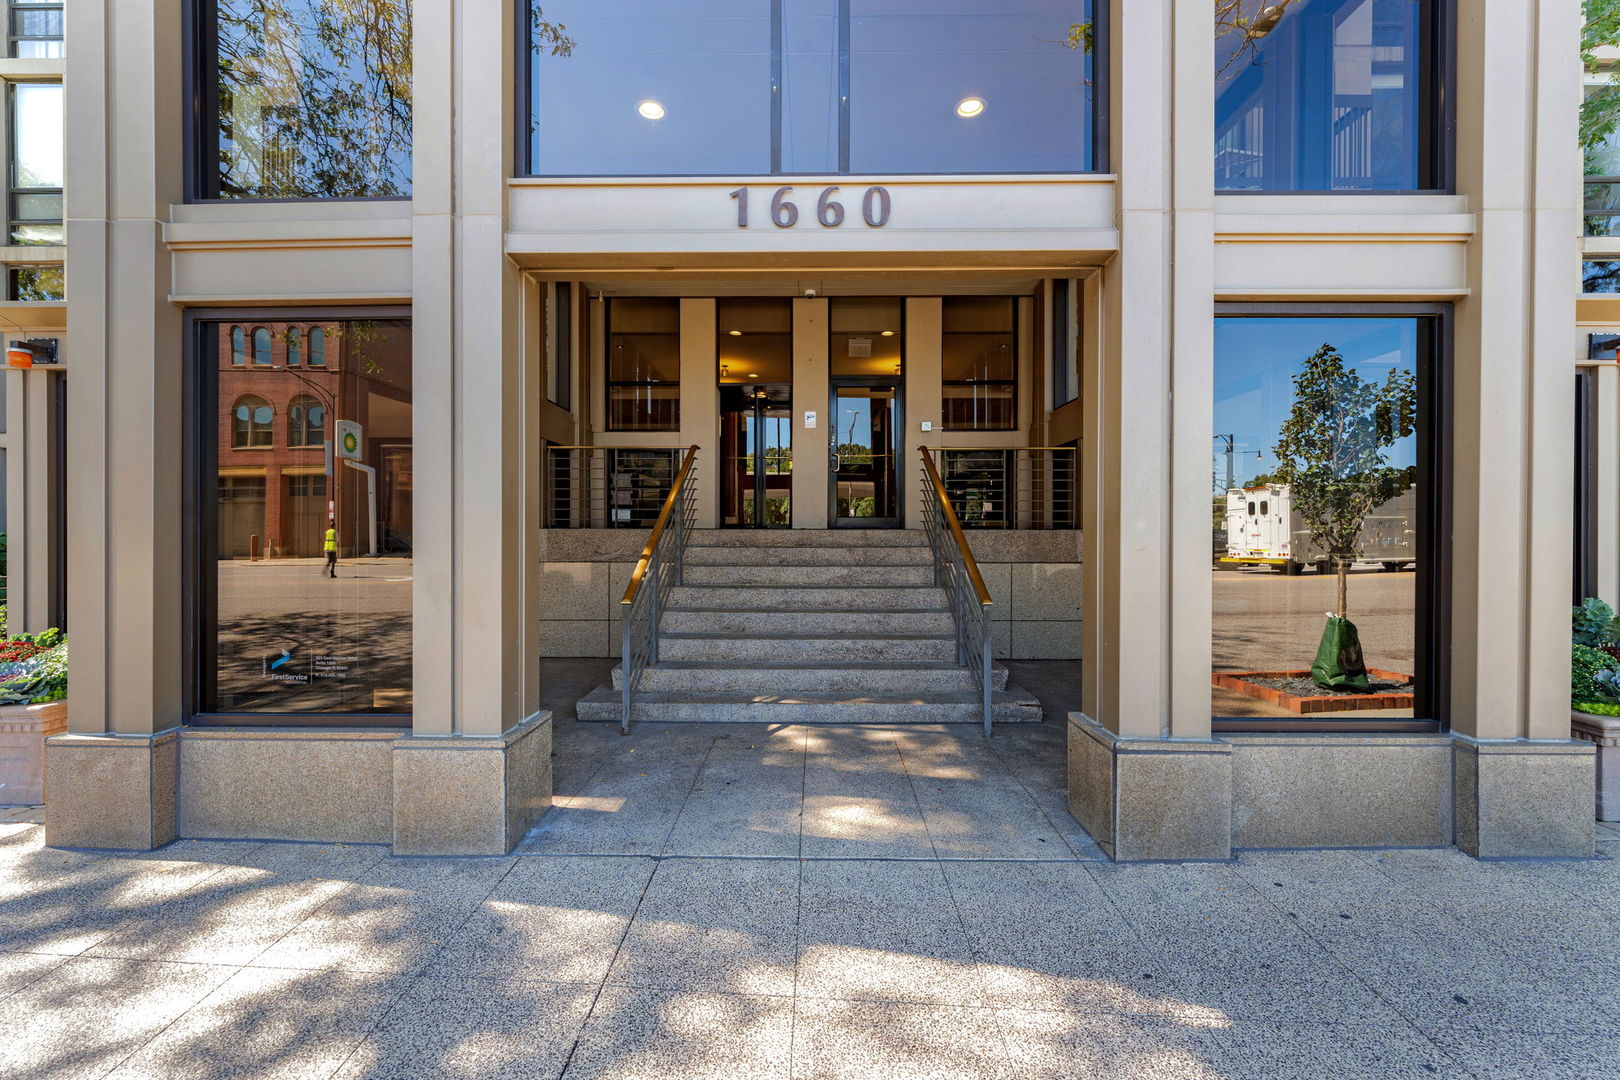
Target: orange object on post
x=19, y=355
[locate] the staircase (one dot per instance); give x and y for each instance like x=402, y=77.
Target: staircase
x=808, y=627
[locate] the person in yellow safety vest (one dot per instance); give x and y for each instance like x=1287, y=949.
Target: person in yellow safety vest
x=331, y=553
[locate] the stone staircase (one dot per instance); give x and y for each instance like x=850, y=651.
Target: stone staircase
x=800, y=626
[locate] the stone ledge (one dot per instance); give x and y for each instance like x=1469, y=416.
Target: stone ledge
x=1523, y=798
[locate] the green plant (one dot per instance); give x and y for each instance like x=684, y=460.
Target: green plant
x=1586, y=663
x=40, y=678
x=1598, y=708
x=1594, y=624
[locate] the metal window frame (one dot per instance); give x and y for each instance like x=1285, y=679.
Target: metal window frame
x=1012, y=382
x=13, y=38
x=608, y=384
x=13, y=189
x=1431, y=636
x=523, y=114
x=199, y=587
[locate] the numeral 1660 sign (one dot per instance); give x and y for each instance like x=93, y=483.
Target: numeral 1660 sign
x=829, y=211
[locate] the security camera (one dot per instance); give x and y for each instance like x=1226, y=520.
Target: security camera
x=809, y=294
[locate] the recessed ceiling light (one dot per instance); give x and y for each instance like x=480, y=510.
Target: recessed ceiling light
x=735, y=333
x=888, y=333
x=969, y=107
x=753, y=374
x=654, y=110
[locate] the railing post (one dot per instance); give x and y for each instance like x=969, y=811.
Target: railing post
x=626, y=665
x=985, y=679
x=655, y=605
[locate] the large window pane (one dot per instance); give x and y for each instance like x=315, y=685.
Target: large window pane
x=313, y=98
x=644, y=365
x=36, y=164
x=1315, y=509
x=655, y=87
x=967, y=86
x=755, y=87
x=1324, y=95
x=979, y=363
x=289, y=631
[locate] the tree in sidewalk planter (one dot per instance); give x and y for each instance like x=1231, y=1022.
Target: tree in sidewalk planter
x=1331, y=454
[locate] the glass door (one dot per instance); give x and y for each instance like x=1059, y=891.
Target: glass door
x=756, y=451
x=864, y=468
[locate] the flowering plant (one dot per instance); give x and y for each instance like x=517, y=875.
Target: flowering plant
x=34, y=668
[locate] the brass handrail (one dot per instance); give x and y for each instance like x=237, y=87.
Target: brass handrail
x=658, y=526
x=954, y=449
x=600, y=446
x=968, y=560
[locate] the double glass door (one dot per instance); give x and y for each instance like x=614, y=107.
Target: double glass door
x=756, y=452
x=865, y=442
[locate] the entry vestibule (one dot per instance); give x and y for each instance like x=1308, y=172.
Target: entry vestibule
x=808, y=412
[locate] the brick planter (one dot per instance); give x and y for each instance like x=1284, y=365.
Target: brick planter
x=1239, y=681
x=23, y=731
x=1605, y=732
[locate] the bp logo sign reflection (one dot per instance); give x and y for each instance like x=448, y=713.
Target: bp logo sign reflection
x=350, y=437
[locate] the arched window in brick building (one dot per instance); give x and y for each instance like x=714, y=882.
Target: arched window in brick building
x=306, y=422
x=250, y=423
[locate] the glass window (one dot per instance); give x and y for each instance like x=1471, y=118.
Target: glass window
x=312, y=99
x=1321, y=471
x=261, y=346
x=250, y=423
x=295, y=346
x=1600, y=275
x=755, y=337
x=759, y=87
x=866, y=336
x=36, y=164
x=306, y=422
x=1327, y=95
x=238, y=346
x=292, y=634
x=979, y=363
x=36, y=29
x=644, y=365
x=1066, y=296
x=1605, y=346
x=317, y=347
x=558, y=334
x=37, y=283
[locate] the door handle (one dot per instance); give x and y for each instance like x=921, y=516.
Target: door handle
x=837, y=461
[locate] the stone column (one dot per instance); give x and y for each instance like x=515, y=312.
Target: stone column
x=112, y=778
x=33, y=471
x=1145, y=777
x=1522, y=785
x=476, y=771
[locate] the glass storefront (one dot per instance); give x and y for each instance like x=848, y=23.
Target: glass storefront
x=305, y=99
x=758, y=87
x=1321, y=475
x=305, y=539
x=1327, y=95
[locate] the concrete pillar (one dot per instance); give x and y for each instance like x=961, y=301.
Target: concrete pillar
x=700, y=403
x=810, y=395
x=1523, y=787
x=33, y=473
x=475, y=773
x=925, y=398
x=1145, y=777
x=112, y=778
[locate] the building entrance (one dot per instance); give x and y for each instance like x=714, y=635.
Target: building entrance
x=756, y=455
x=864, y=465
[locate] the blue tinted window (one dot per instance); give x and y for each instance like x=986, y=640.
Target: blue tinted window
x=679, y=87
x=1333, y=95
x=1600, y=276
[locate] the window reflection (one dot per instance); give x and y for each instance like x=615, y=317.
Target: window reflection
x=644, y=365
x=314, y=98
x=291, y=632
x=36, y=164
x=1315, y=509
x=1330, y=96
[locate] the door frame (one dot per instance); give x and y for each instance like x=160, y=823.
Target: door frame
x=898, y=450
x=757, y=408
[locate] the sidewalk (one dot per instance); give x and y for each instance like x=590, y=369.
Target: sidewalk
x=213, y=959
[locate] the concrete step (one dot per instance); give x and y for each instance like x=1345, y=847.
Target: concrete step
x=791, y=598
x=881, y=677
x=603, y=705
x=780, y=555
x=774, y=574
x=825, y=648
x=855, y=623
x=790, y=538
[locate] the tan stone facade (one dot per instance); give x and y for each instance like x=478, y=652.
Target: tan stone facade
x=1153, y=249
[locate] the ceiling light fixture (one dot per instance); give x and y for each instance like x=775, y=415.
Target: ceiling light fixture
x=969, y=107
x=753, y=374
x=650, y=109
x=1266, y=21
x=888, y=333
x=735, y=333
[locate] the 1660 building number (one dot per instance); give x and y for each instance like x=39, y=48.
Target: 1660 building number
x=875, y=206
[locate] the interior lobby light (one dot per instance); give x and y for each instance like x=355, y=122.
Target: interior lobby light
x=888, y=333
x=753, y=374
x=969, y=107
x=735, y=333
x=650, y=109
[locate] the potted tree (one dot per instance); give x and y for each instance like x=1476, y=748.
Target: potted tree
x=1332, y=454
x=33, y=707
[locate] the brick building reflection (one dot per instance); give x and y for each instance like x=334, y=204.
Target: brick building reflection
x=282, y=387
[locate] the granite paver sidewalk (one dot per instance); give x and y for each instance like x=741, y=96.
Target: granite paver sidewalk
x=881, y=942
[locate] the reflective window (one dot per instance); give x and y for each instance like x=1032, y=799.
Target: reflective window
x=557, y=311
x=36, y=164
x=36, y=29
x=284, y=629
x=309, y=99
x=295, y=346
x=755, y=87
x=317, y=347
x=261, y=346
x=866, y=336
x=1320, y=470
x=1326, y=95
x=979, y=363
x=1066, y=295
x=644, y=365
x=238, y=345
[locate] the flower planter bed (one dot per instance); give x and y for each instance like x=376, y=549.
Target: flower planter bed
x=1245, y=682
x=23, y=731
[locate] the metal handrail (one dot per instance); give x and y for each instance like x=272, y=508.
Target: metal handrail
x=607, y=487
x=957, y=572
x=1011, y=487
x=661, y=567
